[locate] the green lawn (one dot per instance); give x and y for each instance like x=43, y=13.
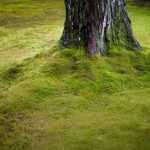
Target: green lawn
x=28, y=27
x=60, y=99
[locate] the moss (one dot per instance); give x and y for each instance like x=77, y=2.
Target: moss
x=60, y=98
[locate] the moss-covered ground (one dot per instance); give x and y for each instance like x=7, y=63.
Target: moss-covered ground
x=53, y=98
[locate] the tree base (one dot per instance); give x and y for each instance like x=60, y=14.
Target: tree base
x=98, y=25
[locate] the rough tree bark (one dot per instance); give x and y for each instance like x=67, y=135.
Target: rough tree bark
x=98, y=25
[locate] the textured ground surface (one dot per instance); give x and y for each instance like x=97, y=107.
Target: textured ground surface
x=53, y=98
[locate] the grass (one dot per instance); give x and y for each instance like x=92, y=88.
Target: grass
x=30, y=27
x=141, y=25
x=54, y=98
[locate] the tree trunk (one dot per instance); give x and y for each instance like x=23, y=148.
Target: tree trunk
x=98, y=25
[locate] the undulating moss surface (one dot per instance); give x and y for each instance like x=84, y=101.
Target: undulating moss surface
x=53, y=98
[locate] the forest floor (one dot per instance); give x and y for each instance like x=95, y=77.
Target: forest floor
x=59, y=99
